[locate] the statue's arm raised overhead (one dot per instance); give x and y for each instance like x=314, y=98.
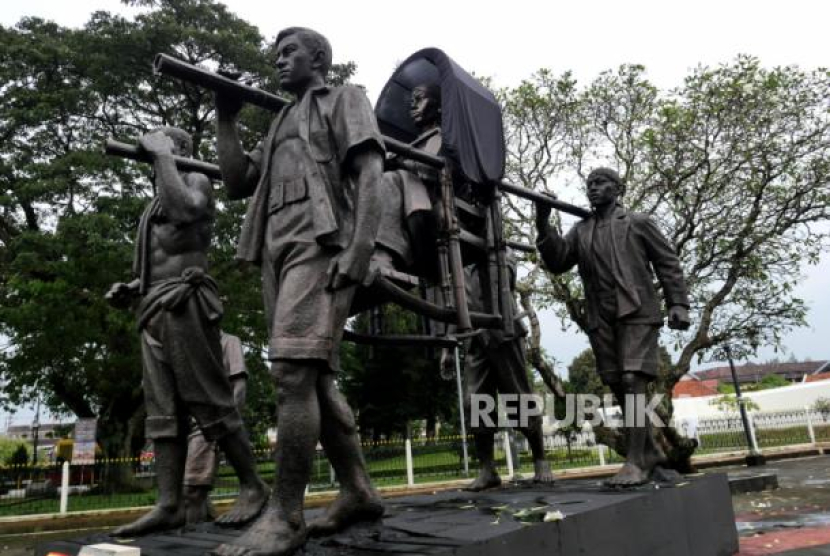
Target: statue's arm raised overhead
x=184, y=198
x=559, y=254
x=240, y=171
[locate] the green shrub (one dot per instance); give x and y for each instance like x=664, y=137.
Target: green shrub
x=14, y=452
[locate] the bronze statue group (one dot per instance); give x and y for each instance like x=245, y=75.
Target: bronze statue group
x=322, y=215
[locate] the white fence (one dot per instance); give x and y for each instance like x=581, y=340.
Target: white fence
x=766, y=428
x=415, y=462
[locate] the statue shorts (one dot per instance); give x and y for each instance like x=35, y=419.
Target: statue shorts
x=622, y=347
x=305, y=318
x=182, y=359
x=202, y=456
x=497, y=367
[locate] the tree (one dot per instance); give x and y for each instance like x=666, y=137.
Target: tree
x=19, y=457
x=822, y=405
x=62, y=236
x=538, y=359
x=583, y=377
x=10, y=451
x=733, y=164
x=68, y=214
x=767, y=382
x=772, y=381
x=728, y=403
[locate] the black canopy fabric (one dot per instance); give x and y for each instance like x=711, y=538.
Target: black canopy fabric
x=471, y=124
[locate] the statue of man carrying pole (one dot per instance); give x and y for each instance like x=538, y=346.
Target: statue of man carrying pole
x=311, y=225
x=618, y=253
x=178, y=319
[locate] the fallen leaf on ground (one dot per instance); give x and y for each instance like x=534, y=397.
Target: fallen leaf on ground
x=555, y=515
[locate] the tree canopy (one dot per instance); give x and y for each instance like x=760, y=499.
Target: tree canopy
x=733, y=164
x=68, y=213
x=583, y=377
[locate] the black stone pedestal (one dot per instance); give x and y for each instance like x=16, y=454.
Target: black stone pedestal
x=755, y=460
x=691, y=518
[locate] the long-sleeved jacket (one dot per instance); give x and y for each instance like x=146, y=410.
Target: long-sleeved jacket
x=640, y=252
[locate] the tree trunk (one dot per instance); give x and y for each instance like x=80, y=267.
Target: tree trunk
x=678, y=448
x=537, y=359
x=432, y=423
x=121, y=436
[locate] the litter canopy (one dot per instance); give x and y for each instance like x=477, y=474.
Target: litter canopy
x=471, y=123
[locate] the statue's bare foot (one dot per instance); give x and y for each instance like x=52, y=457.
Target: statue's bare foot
x=270, y=535
x=349, y=508
x=248, y=505
x=630, y=475
x=542, y=472
x=639, y=473
x=654, y=455
x=159, y=518
x=487, y=478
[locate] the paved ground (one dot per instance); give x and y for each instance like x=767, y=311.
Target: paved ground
x=791, y=521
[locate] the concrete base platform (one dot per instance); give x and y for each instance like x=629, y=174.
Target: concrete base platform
x=691, y=518
x=747, y=481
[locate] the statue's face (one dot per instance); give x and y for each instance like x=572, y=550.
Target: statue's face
x=181, y=145
x=424, y=109
x=602, y=191
x=294, y=63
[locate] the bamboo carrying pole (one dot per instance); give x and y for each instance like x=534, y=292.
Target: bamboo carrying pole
x=134, y=152
x=449, y=249
x=173, y=67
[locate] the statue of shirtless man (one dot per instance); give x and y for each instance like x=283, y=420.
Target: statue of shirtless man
x=178, y=319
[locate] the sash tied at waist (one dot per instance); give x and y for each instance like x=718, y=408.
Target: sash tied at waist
x=172, y=294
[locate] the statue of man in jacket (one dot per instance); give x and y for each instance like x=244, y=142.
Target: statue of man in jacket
x=311, y=226
x=618, y=253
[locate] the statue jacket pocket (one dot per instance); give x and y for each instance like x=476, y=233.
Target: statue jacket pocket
x=321, y=147
x=286, y=192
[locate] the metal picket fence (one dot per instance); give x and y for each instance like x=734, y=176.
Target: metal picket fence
x=53, y=488
x=769, y=429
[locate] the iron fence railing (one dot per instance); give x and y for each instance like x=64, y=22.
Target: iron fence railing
x=122, y=483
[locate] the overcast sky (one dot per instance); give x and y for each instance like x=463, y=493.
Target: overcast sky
x=509, y=40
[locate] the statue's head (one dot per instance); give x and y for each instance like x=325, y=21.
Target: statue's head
x=182, y=141
x=303, y=55
x=604, y=186
x=425, y=109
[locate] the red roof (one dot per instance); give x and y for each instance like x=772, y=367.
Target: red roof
x=753, y=372
x=816, y=378
x=695, y=388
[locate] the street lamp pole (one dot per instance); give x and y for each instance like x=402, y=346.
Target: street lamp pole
x=755, y=457
x=35, y=429
x=461, y=409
